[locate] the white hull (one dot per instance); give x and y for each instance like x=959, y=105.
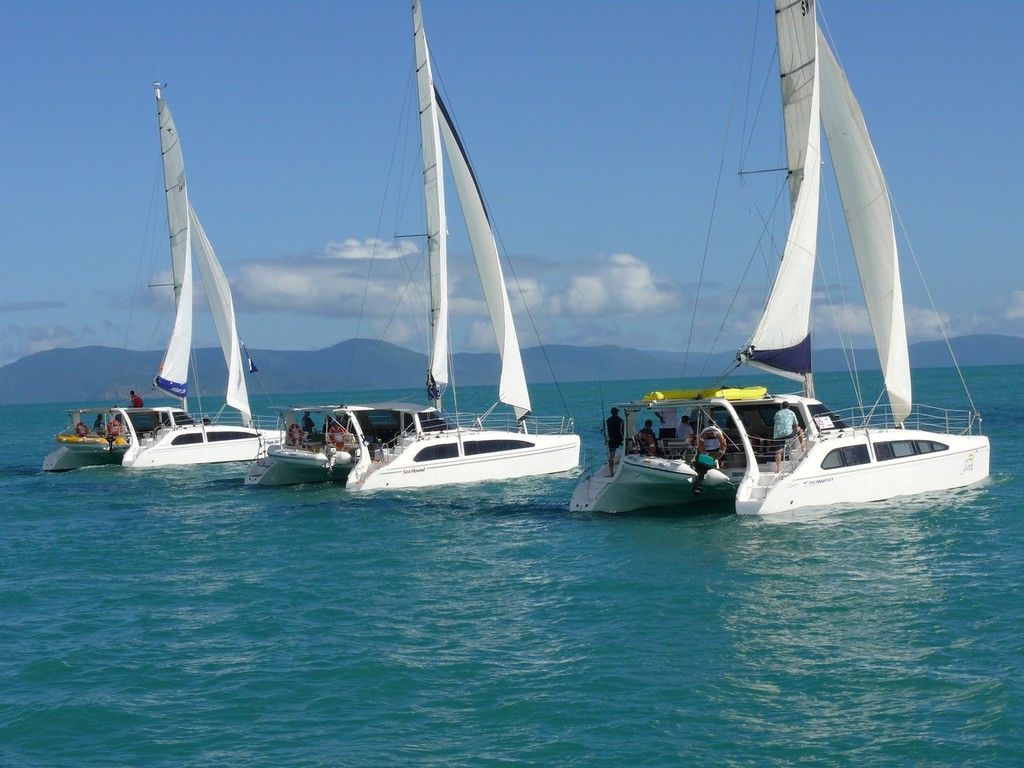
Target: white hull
x=643, y=482
x=197, y=444
x=549, y=454
x=965, y=463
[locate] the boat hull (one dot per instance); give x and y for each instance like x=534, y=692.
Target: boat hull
x=648, y=482
x=965, y=463
x=198, y=444
x=547, y=454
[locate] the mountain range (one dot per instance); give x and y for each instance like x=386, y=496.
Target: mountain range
x=104, y=374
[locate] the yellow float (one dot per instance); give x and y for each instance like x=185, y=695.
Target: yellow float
x=727, y=393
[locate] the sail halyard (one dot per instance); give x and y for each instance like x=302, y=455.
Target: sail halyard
x=173, y=374
x=512, y=388
x=218, y=292
x=781, y=343
x=437, y=227
x=868, y=212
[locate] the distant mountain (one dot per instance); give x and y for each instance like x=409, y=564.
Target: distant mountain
x=105, y=374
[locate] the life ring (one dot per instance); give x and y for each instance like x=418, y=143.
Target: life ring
x=337, y=434
x=295, y=434
x=113, y=428
x=646, y=445
x=81, y=430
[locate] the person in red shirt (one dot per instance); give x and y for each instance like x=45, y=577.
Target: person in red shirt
x=136, y=400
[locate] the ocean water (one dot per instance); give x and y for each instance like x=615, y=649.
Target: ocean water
x=170, y=618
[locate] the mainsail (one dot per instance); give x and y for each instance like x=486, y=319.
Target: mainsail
x=187, y=240
x=434, y=122
x=782, y=343
x=173, y=376
x=437, y=226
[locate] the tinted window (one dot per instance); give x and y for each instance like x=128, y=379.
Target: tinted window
x=182, y=418
x=215, y=436
x=435, y=452
x=473, y=447
x=898, y=449
x=849, y=456
x=189, y=439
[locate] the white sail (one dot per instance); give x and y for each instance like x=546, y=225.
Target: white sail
x=173, y=375
x=512, y=388
x=869, y=216
x=218, y=291
x=433, y=185
x=781, y=343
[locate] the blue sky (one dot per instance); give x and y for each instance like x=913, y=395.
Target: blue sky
x=597, y=130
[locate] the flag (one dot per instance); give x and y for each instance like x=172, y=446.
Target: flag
x=252, y=365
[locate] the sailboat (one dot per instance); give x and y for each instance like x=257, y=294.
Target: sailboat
x=897, y=448
x=139, y=437
x=406, y=445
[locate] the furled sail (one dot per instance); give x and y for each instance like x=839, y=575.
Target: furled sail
x=869, y=217
x=173, y=375
x=782, y=343
x=433, y=185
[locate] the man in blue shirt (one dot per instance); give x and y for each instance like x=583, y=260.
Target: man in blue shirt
x=785, y=427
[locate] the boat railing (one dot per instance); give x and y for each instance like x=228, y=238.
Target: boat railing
x=507, y=422
x=232, y=418
x=925, y=417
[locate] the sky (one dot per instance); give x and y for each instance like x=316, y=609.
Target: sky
x=607, y=138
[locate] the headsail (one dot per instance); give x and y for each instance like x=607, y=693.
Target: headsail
x=433, y=185
x=869, y=217
x=782, y=343
x=512, y=388
x=173, y=375
x=218, y=291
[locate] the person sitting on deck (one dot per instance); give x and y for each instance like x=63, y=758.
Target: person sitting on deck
x=307, y=424
x=646, y=440
x=136, y=400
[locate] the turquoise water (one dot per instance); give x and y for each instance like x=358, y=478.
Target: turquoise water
x=176, y=617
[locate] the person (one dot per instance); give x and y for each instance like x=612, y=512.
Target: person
x=136, y=400
x=307, y=424
x=646, y=441
x=97, y=425
x=784, y=427
x=712, y=442
x=616, y=431
x=684, y=430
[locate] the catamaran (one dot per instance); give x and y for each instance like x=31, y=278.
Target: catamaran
x=860, y=455
x=168, y=435
x=404, y=445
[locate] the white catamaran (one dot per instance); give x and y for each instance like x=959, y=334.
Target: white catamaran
x=856, y=456
x=165, y=435
x=403, y=445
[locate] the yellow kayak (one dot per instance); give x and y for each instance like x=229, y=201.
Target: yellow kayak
x=729, y=393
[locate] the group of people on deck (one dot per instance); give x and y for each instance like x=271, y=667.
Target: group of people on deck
x=710, y=441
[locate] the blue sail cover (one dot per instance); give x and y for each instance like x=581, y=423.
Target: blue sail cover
x=172, y=387
x=795, y=359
